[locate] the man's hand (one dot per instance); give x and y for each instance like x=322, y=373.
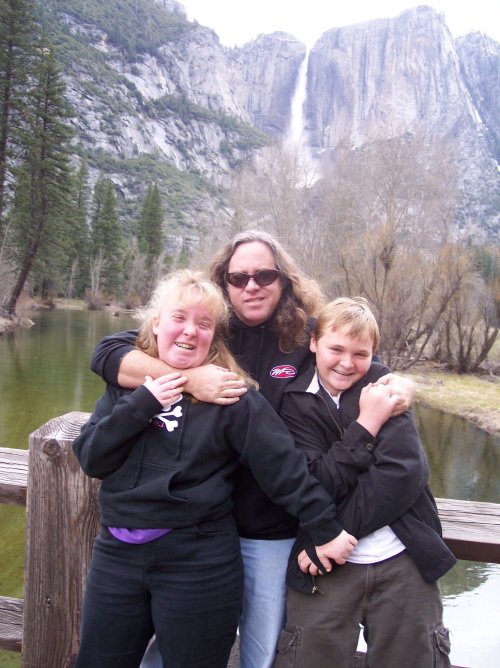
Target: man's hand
x=404, y=388
x=337, y=549
x=215, y=385
x=208, y=383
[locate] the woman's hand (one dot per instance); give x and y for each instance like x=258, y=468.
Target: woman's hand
x=337, y=549
x=166, y=389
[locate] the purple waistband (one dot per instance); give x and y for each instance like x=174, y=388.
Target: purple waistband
x=137, y=536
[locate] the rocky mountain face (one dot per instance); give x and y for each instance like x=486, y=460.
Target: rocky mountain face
x=268, y=69
x=479, y=59
x=400, y=73
x=407, y=74
x=197, y=109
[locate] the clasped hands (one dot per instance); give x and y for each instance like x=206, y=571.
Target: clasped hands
x=337, y=550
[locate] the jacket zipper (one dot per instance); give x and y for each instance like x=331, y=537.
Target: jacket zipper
x=340, y=429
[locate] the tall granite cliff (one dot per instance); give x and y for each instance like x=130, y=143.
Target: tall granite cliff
x=194, y=106
x=396, y=74
x=393, y=76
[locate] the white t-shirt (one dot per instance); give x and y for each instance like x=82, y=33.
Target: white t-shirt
x=377, y=546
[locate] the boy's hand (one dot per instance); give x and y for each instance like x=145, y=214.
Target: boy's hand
x=337, y=549
x=376, y=406
x=166, y=389
x=403, y=388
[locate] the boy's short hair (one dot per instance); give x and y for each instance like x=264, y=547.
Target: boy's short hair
x=352, y=314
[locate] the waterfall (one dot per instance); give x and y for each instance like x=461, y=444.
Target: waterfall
x=296, y=138
x=296, y=134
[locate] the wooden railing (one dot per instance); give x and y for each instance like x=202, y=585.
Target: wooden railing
x=62, y=519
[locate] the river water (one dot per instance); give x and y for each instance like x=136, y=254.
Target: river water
x=44, y=373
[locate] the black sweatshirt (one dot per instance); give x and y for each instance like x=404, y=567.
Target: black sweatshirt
x=257, y=351
x=174, y=467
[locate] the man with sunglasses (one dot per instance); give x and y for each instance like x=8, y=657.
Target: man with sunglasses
x=273, y=305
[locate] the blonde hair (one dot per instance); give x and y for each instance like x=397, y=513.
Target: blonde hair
x=301, y=297
x=354, y=315
x=188, y=286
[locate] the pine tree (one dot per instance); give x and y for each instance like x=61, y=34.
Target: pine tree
x=17, y=35
x=39, y=217
x=61, y=267
x=150, y=234
x=150, y=240
x=107, y=242
x=79, y=253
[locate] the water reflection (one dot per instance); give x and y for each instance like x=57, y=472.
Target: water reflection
x=465, y=576
x=463, y=459
x=45, y=370
x=471, y=616
x=464, y=463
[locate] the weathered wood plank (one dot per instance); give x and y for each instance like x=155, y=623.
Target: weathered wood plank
x=11, y=623
x=62, y=519
x=471, y=529
x=13, y=476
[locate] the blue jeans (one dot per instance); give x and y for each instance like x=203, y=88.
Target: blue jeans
x=264, y=595
x=264, y=598
x=186, y=586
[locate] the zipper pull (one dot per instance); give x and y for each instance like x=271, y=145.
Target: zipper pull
x=315, y=586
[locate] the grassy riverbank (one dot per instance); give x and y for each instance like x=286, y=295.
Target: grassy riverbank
x=476, y=398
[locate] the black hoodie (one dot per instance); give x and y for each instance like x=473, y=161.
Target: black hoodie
x=257, y=351
x=173, y=467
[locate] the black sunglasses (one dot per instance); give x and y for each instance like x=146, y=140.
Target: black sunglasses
x=239, y=279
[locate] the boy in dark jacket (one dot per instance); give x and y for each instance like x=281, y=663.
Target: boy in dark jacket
x=389, y=583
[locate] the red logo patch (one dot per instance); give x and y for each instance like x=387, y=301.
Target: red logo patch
x=283, y=371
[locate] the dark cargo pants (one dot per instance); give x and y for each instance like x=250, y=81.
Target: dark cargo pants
x=401, y=615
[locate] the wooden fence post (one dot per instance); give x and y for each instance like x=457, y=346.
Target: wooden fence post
x=62, y=519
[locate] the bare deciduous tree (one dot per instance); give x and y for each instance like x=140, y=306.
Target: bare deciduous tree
x=469, y=327
x=378, y=224
x=97, y=272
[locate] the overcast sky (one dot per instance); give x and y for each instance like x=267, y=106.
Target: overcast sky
x=240, y=21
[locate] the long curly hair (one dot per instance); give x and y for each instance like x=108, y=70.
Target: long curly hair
x=301, y=297
x=188, y=286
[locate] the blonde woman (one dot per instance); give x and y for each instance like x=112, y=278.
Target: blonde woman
x=167, y=559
